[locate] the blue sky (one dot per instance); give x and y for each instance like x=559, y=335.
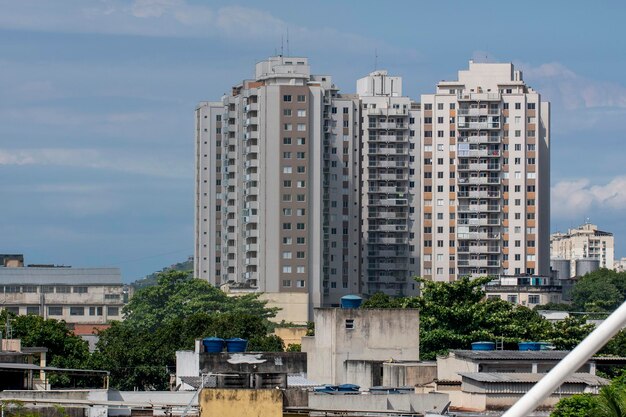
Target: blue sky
x=97, y=100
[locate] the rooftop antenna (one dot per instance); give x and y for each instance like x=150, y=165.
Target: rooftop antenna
x=375, y=59
x=288, y=42
x=281, y=45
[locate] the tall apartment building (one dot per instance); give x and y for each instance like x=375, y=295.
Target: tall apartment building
x=583, y=242
x=486, y=174
x=276, y=189
x=390, y=186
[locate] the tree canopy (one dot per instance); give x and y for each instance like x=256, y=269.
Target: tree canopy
x=169, y=316
x=601, y=290
x=455, y=314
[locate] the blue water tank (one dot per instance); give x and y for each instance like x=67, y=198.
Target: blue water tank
x=213, y=344
x=351, y=301
x=483, y=346
x=529, y=346
x=236, y=345
x=348, y=388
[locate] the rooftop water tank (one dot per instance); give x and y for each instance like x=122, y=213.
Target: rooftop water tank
x=586, y=265
x=529, y=345
x=213, y=344
x=236, y=345
x=562, y=267
x=351, y=301
x=483, y=346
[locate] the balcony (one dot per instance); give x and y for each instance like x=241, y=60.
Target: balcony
x=479, y=167
x=478, y=125
x=388, y=164
x=479, y=139
x=478, y=222
x=478, y=236
x=388, y=228
x=463, y=96
x=479, y=153
x=473, y=208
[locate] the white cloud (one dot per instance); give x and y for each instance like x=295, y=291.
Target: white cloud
x=98, y=159
x=578, y=198
x=573, y=91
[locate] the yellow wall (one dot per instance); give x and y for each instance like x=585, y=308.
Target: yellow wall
x=294, y=306
x=290, y=335
x=221, y=402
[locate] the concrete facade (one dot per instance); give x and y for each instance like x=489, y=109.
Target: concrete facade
x=238, y=402
x=76, y=295
x=583, y=242
x=350, y=344
x=486, y=175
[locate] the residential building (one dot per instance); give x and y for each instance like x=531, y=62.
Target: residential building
x=582, y=243
x=390, y=186
x=485, y=158
x=526, y=290
x=75, y=295
x=620, y=265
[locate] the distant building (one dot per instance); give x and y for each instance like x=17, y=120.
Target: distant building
x=76, y=295
x=585, y=242
x=528, y=291
x=620, y=265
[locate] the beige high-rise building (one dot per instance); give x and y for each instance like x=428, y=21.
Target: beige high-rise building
x=277, y=189
x=583, y=242
x=485, y=159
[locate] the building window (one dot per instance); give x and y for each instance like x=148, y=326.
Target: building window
x=29, y=289
x=32, y=310
x=286, y=141
x=286, y=283
x=511, y=299
x=300, y=283
x=349, y=324
x=286, y=269
x=286, y=112
x=80, y=290
x=301, y=113
x=533, y=299
x=63, y=289
x=287, y=98
x=301, y=127
x=77, y=311
x=47, y=289
x=55, y=311
x=113, y=311
x=301, y=98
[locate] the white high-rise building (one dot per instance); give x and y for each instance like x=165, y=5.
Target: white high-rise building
x=485, y=176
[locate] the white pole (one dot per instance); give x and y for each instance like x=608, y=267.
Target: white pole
x=570, y=364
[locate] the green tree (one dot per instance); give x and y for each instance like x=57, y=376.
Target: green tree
x=601, y=290
x=579, y=405
x=382, y=300
x=455, y=314
x=65, y=350
x=566, y=334
x=170, y=316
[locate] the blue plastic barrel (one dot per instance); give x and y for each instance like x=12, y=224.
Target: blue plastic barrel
x=213, y=344
x=529, y=346
x=351, y=301
x=348, y=388
x=483, y=346
x=236, y=345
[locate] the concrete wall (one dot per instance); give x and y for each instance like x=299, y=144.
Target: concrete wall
x=379, y=402
x=237, y=403
x=449, y=366
x=294, y=307
x=265, y=362
x=291, y=335
x=187, y=364
x=408, y=374
x=375, y=335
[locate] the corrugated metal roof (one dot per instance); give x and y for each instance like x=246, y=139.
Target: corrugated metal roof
x=504, y=355
x=507, y=377
x=51, y=276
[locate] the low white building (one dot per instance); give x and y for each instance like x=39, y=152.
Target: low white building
x=76, y=295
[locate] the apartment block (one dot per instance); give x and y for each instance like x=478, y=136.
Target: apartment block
x=584, y=242
x=276, y=189
x=485, y=176
x=390, y=186
x=75, y=295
